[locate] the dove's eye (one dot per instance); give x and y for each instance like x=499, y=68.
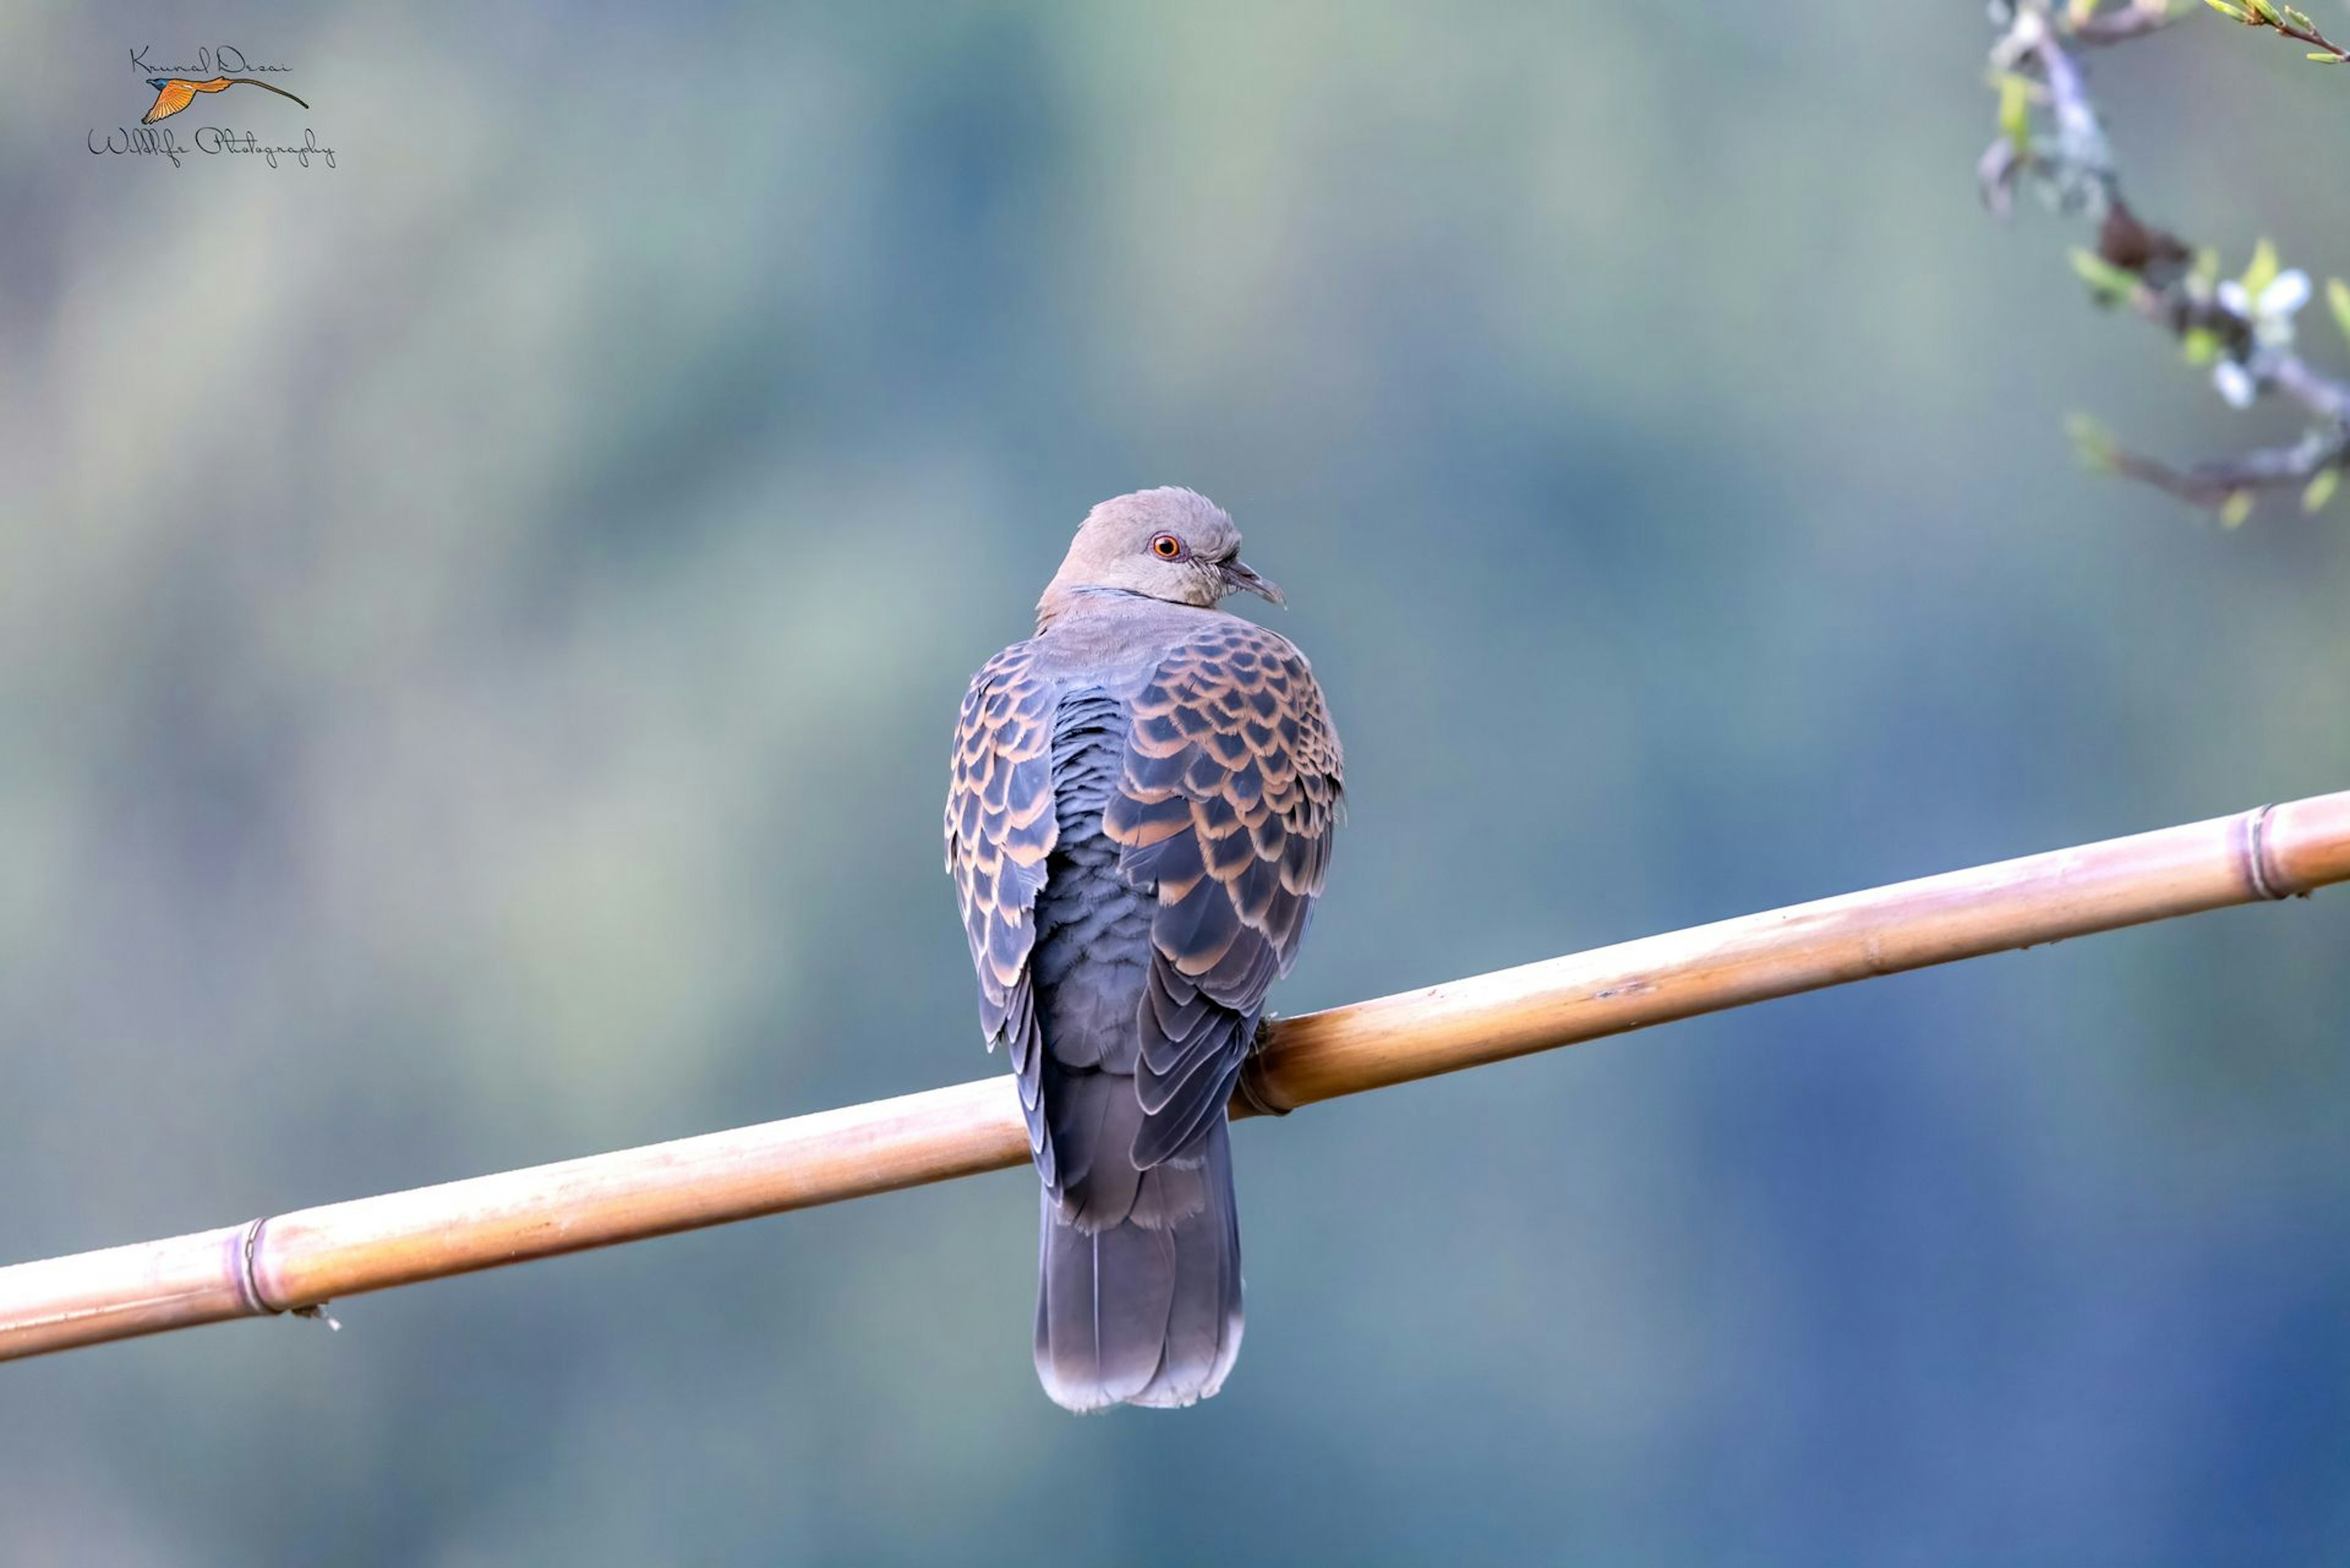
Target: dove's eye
x=1167, y=547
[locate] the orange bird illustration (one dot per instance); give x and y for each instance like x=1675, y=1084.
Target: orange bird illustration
x=174, y=94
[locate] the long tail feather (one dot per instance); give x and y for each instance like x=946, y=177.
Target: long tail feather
x=1145, y=1311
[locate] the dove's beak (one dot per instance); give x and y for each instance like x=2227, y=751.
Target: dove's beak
x=1240, y=578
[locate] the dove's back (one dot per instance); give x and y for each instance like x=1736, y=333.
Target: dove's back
x=1139, y=827
x=1138, y=1280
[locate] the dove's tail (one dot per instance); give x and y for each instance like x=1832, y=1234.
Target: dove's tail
x=1145, y=1311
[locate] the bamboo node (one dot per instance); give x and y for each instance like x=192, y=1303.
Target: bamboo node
x=2256, y=855
x=248, y=1284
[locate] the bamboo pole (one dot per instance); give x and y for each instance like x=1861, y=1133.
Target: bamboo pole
x=296, y=1262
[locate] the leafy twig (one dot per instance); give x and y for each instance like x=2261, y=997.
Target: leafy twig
x=2294, y=25
x=2228, y=486
x=2241, y=327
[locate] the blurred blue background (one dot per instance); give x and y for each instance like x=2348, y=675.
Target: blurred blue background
x=480, y=627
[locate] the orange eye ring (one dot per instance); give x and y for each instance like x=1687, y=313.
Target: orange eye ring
x=1167, y=547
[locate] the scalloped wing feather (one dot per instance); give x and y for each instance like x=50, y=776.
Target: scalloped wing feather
x=1230, y=791
x=1000, y=831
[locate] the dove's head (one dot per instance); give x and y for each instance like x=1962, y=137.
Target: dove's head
x=1170, y=543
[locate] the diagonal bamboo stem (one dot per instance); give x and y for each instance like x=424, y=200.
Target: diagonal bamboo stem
x=297, y=1260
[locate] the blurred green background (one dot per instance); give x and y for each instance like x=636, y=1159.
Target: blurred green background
x=479, y=631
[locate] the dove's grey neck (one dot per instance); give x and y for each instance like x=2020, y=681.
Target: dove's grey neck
x=1115, y=638
x=1062, y=600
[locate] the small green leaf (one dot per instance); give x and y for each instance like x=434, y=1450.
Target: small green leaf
x=2264, y=9
x=2107, y=281
x=2325, y=59
x=2337, y=297
x=2300, y=19
x=2235, y=509
x=2227, y=10
x=2015, y=111
x=2320, y=488
x=2200, y=345
x=2092, y=444
x=2263, y=269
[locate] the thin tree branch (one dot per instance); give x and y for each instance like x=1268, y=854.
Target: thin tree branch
x=2217, y=481
x=2247, y=341
x=2284, y=19
x=2131, y=21
x=298, y=1261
